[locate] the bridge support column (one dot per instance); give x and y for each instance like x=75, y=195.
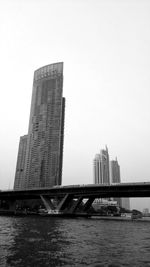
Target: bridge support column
x=76, y=205
x=88, y=204
x=64, y=202
x=47, y=203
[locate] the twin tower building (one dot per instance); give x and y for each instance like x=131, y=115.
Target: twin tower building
x=106, y=171
x=40, y=154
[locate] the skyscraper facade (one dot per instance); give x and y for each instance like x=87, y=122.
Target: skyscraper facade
x=114, y=171
x=44, y=149
x=115, y=176
x=101, y=167
x=19, y=176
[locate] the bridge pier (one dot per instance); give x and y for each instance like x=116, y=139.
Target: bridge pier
x=47, y=203
x=60, y=207
x=64, y=202
x=76, y=205
x=66, y=205
x=88, y=204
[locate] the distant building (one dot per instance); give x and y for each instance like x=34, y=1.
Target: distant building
x=125, y=203
x=114, y=171
x=101, y=167
x=20, y=166
x=115, y=176
x=108, y=172
x=44, y=145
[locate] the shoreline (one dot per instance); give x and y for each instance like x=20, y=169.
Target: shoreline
x=119, y=218
x=79, y=215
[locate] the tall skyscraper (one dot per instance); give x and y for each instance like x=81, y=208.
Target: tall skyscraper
x=114, y=171
x=101, y=167
x=106, y=172
x=115, y=176
x=44, y=148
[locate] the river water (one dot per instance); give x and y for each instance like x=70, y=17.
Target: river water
x=40, y=241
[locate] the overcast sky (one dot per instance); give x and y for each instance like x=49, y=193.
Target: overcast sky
x=105, y=47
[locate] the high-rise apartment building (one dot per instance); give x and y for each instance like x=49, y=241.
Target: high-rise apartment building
x=44, y=148
x=114, y=171
x=19, y=176
x=101, y=167
x=115, y=176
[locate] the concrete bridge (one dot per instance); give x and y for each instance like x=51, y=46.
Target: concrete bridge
x=67, y=199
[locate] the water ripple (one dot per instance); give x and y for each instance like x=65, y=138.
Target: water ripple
x=34, y=241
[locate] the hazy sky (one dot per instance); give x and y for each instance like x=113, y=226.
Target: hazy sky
x=105, y=47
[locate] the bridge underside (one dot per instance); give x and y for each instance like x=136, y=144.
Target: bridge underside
x=68, y=204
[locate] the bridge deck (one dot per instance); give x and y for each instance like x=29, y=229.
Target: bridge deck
x=98, y=191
